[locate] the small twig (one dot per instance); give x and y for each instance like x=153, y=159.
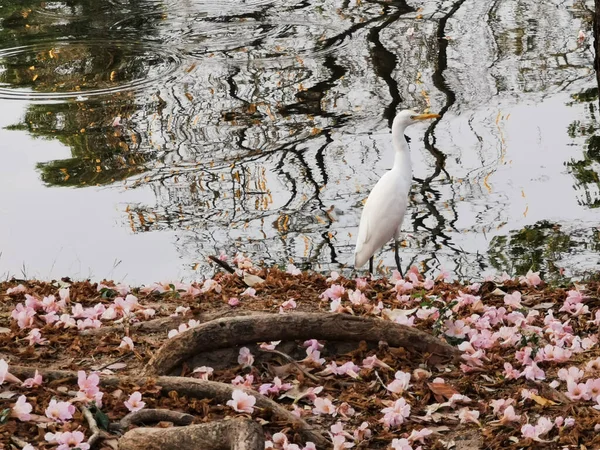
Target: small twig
x=97, y=433
x=18, y=442
x=380, y=380
x=294, y=362
x=120, y=358
x=153, y=415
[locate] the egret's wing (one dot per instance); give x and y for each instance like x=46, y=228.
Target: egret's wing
x=381, y=217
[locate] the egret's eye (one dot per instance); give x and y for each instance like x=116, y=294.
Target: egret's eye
x=413, y=117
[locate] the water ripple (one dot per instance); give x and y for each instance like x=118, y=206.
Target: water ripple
x=86, y=68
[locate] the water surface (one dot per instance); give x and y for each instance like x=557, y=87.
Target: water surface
x=138, y=137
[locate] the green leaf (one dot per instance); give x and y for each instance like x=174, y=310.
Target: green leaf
x=4, y=415
x=101, y=419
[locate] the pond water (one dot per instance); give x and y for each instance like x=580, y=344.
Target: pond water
x=139, y=137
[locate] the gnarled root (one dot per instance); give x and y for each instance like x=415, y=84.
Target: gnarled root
x=232, y=331
x=236, y=434
x=192, y=387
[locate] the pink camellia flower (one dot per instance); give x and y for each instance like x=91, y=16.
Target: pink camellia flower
x=134, y=403
x=35, y=381
x=21, y=410
x=323, y=406
x=513, y=299
x=395, y=414
x=242, y=402
x=467, y=415
x=203, y=372
x=71, y=439
x=400, y=383
x=60, y=411
x=245, y=358
x=293, y=270
x=531, y=279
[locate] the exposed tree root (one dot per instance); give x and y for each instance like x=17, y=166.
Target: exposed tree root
x=236, y=434
x=153, y=416
x=97, y=433
x=192, y=387
x=232, y=331
x=165, y=323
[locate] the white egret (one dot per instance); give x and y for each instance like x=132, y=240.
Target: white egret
x=384, y=210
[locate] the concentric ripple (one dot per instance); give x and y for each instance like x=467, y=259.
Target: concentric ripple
x=70, y=69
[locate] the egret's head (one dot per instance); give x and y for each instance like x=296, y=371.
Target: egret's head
x=409, y=117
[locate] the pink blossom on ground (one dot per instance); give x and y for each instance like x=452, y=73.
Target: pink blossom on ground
x=269, y=345
x=211, y=285
x=29, y=447
x=249, y=292
x=513, y=300
x=287, y=305
x=357, y=297
x=242, y=402
x=35, y=337
x=246, y=381
x=362, y=432
x=16, y=290
x=60, y=411
x=245, y=358
x=24, y=315
x=533, y=372
x=293, y=270
x=203, y=372
x=127, y=343
x=334, y=292
x=339, y=443
x=572, y=373
x=71, y=439
x=420, y=435
x=401, y=444
x=274, y=388
x=35, y=381
x=370, y=362
x=134, y=403
x=577, y=391
x=467, y=415
x=535, y=432
x=395, y=414
x=400, y=383
x=531, y=279
x=5, y=375
x=333, y=277
x=21, y=409
x=361, y=283
x=323, y=406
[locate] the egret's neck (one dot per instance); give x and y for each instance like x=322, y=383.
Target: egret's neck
x=401, y=152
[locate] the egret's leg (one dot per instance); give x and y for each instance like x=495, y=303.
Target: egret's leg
x=371, y=265
x=397, y=257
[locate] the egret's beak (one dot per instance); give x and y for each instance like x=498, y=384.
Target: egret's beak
x=426, y=116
